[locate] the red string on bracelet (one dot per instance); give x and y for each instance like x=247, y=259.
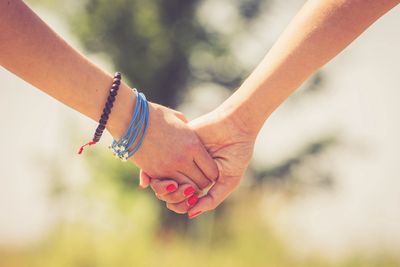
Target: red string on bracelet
x=87, y=144
x=106, y=112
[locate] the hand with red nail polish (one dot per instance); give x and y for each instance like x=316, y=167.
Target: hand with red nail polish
x=231, y=147
x=231, y=144
x=172, y=149
x=229, y=132
x=171, y=188
x=181, y=196
x=189, y=191
x=194, y=214
x=192, y=200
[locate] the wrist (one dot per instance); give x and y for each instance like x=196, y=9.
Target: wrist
x=121, y=114
x=243, y=115
x=230, y=125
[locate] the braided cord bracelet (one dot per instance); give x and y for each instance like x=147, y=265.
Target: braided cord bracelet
x=106, y=112
x=133, y=137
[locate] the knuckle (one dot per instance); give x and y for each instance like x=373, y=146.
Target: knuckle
x=194, y=146
x=214, y=174
x=170, y=207
x=204, y=183
x=177, y=199
x=159, y=197
x=214, y=205
x=156, y=188
x=175, y=209
x=178, y=159
x=174, y=198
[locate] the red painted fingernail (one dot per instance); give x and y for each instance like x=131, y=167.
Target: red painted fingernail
x=189, y=191
x=191, y=216
x=192, y=200
x=171, y=188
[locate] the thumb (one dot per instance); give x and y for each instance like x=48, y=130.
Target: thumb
x=218, y=193
x=144, y=179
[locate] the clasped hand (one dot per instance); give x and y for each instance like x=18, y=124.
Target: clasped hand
x=193, y=166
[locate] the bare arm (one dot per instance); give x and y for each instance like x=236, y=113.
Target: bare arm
x=32, y=51
x=320, y=31
x=35, y=53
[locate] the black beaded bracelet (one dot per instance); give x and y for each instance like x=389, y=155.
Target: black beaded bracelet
x=106, y=112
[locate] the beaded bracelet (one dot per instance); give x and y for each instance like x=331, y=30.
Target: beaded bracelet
x=106, y=112
x=134, y=135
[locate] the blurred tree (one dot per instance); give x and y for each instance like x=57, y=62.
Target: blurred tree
x=150, y=41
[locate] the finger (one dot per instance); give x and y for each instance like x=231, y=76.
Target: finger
x=184, y=206
x=144, y=179
x=163, y=187
x=218, y=193
x=181, y=178
x=178, y=208
x=184, y=192
x=206, y=164
x=186, y=188
x=181, y=116
x=197, y=176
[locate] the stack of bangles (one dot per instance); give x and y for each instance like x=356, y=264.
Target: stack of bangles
x=134, y=135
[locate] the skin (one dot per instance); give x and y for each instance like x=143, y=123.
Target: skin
x=320, y=31
x=32, y=51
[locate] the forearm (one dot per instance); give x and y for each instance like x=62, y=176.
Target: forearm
x=321, y=30
x=32, y=51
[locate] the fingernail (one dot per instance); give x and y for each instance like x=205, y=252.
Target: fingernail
x=189, y=191
x=191, y=216
x=171, y=188
x=192, y=200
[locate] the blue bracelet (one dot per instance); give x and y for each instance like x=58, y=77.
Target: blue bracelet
x=134, y=135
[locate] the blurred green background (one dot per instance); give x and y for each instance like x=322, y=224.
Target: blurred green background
x=167, y=48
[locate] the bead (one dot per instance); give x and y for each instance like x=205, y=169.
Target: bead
x=105, y=115
x=109, y=105
x=111, y=98
x=117, y=75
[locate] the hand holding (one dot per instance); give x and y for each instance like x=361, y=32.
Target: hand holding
x=231, y=146
x=171, y=149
